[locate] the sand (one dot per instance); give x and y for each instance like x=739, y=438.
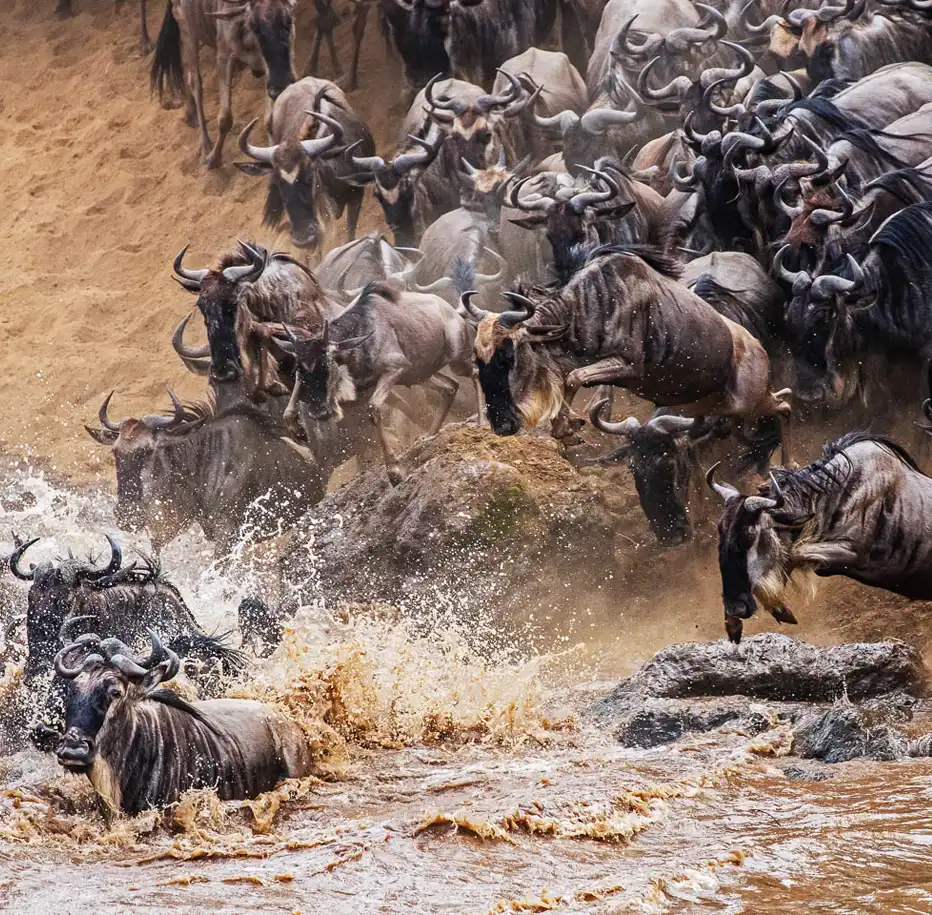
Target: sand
x=101, y=187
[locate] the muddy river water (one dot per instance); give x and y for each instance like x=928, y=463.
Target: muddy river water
x=452, y=781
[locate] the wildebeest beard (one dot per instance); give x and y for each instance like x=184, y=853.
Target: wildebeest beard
x=494, y=376
x=734, y=541
x=661, y=477
x=225, y=359
x=273, y=33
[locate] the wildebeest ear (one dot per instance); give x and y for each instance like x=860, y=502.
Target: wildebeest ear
x=530, y=222
x=102, y=436
x=256, y=169
x=547, y=333
x=359, y=179
x=616, y=212
x=155, y=676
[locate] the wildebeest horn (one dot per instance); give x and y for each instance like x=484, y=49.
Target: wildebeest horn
x=251, y=271
x=679, y=41
x=723, y=74
x=562, y=121
x=105, y=420
x=757, y=504
x=514, y=318
x=486, y=278
x=88, y=642
x=790, y=212
x=15, y=557
x=116, y=560
x=470, y=169
x=725, y=490
x=682, y=181
x=449, y=104
x=537, y=202
x=477, y=314
x=259, y=153
x=581, y=200
x=194, y=277
x=824, y=287
x=822, y=217
x=159, y=653
x=760, y=30
x=677, y=87
x=423, y=156
x=622, y=44
x=781, y=499
x=317, y=147
x=195, y=360
x=672, y=425
x=128, y=667
x=107, y=581
x=486, y=103
x=800, y=280
x=70, y=626
x=597, y=121
x=626, y=427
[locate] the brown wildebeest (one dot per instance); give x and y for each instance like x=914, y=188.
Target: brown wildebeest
x=258, y=34
x=386, y=337
x=311, y=126
x=622, y=320
x=143, y=746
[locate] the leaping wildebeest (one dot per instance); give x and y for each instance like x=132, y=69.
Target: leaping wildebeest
x=143, y=746
x=622, y=320
x=862, y=511
x=311, y=126
x=258, y=34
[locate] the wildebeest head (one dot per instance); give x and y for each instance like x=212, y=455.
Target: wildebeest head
x=822, y=332
x=752, y=558
x=219, y=295
x=483, y=189
x=322, y=380
x=134, y=442
x=271, y=25
x=292, y=167
x=517, y=381
x=52, y=598
x=657, y=454
x=395, y=181
x=105, y=676
x=570, y=218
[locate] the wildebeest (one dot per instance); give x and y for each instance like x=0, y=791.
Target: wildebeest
x=862, y=510
x=354, y=264
x=622, y=320
x=311, y=126
x=386, y=337
x=258, y=34
x=248, y=288
x=123, y=599
x=64, y=10
x=231, y=472
x=143, y=746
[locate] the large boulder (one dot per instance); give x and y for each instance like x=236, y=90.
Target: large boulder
x=481, y=520
x=773, y=666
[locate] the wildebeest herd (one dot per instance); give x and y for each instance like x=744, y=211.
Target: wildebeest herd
x=729, y=215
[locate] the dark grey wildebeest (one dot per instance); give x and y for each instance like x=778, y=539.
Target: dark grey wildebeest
x=862, y=511
x=232, y=472
x=311, y=125
x=385, y=338
x=257, y=34
x=143, y=746
x=623, y=321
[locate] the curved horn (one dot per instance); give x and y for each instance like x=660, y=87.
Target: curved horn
x=89, y=642
x=626, y=427
x=825, y=287
x=724, y=490
x=713, y=27
x=682, y=181
x=486, y=103
x=671, y=425
x=725, y=75
x=562, y=122
x=514, y=318
x=477, y=314
x=251, y=271
x=259, y=153
x=159, y=653
x=583, y=199
x=536, y=203
x=105, y=420
x=194, y=277
x=70, y=625
x=781, y=499
x=759, y=30
x=597, y=121
x=318, y=146
x=757, y=504
x=107, y=581
x=486, y=278
x=128, y=667
x=17, y=555
x=622, y=44
x=116, y=561
x=452, y=104
x=800, y=281
x=790, y=212
x=419, y=157
x=186, y=353
x=677, y=87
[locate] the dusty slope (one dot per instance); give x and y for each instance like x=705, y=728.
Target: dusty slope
x=100, y=188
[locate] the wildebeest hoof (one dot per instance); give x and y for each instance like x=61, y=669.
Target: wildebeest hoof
x=734, y=627
x=277, y=389
x=395, y=475
x=571, y=440
x=145, y=48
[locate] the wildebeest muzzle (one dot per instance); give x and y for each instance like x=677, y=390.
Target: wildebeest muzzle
x=76, y=751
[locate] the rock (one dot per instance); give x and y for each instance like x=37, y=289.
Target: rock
x=658, y=724
x=796, y=773
x=844, y=733
x=773, y=666
x=478, y=519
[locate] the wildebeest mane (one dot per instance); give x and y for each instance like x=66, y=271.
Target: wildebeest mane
x=908, y=185
x=654, y=257
x=865, y=139
x=908, y=234
x=829, y=112
x=830, y=87
x=205, y=412
x=373, y=291
x=170, y=698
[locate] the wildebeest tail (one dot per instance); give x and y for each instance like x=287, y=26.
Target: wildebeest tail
x=167, y=70
x=201, y=647
x=463, y=274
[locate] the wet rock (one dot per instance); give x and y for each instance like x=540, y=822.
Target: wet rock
x=843, y=733
x=499, y=520
x=773, y=666
x=661, y=724
x=797, y=773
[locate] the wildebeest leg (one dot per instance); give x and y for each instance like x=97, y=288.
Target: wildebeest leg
x=192, y=76
x=352, y=216
x=615, y=371
x=480, y=400
x=360, y=16
x=63, y=10
x=447, y=388
x=828, y=558
x=311, y=68
x=376, y=401
x=225, y=65
x=145, y=42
